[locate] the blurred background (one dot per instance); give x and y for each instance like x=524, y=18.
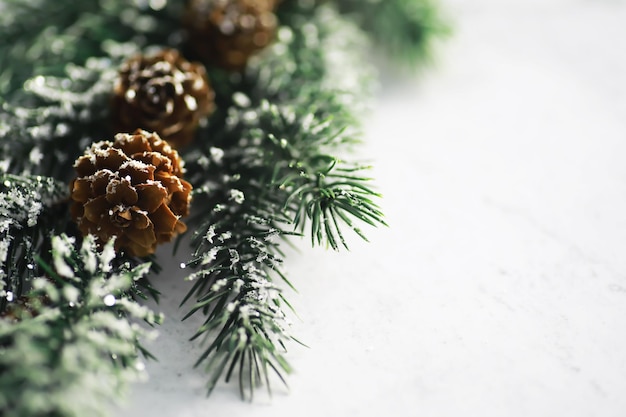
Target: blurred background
x=499, y=288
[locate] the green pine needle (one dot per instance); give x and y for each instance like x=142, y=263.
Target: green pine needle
x=72, y=345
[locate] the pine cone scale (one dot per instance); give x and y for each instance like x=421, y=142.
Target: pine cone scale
x=151, y=195
x=121, y=192
x=180, y=201
x=140, y=219
x=137, y=171
x=120, y=216
x=140, y=242
x=80, y=190
x=109, y=159
x=96, y=208
x=133, y=144
x=163, y=219
x=159, y=161
x=84, y=166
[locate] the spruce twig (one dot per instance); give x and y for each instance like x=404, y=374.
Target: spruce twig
x=404, y=29
x=70, y=345
x=268, y=170
x=30, y=211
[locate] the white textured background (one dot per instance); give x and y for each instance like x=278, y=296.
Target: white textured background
x=500, y=287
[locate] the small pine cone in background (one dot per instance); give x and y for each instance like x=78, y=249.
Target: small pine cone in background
x=132, y=189
x=163, y=93
x=24, y=307
x=227, y=32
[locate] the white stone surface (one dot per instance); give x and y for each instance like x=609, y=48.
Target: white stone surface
x=499, y=288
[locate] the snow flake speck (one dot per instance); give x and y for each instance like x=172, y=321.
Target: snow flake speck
x=237, y=196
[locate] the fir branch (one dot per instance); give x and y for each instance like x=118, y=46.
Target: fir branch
x=39, y=37
x=72, y=346
x=295, y=152
x=266, y=167
x=55, y=119
x=292, y=142
x=404, y=29
x=321, y=189
x=238, y=260
x=29, y=213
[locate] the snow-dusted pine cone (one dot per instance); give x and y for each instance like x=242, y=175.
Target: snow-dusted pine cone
x=132, y=189
x=163, y=93
x=227, y=32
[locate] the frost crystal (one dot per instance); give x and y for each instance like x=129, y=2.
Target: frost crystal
x=216, y=154
x=33, y=213
x=234, y=258
x=210, y=234
x=61, y=250
x=108, y=254
x=236, y=196
x=35, y=156
x=209, y=256
x=243, y=336
x=218, y=285
x=241, y=99
x=88, y=254
x=271, y=234
x=4, y=248
x=71, y=293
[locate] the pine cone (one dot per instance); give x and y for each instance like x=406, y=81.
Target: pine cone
x=24, y=307
x=163, y=93
x=227, y=32
x=130, y=188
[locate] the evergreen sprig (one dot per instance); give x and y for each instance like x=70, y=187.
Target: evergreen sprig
x=30, y=211
x=41, y=37
x=403, y=29
x=267, y=171
x=55, y=118
x=319, y=188
x=238, y=259
x=70, y=345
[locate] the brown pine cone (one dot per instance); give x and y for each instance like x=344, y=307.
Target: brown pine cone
x=130, y=188
x=163, y=93
x=24, y=307
x=227, y=32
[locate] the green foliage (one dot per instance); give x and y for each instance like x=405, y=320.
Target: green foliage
x=318, y=188
x=40, y=37
x=266, y=171
x=55, y=119
x=237, y=255
x=29, y=212
x=403, y=29
x=72, y=345
x=266, y=167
